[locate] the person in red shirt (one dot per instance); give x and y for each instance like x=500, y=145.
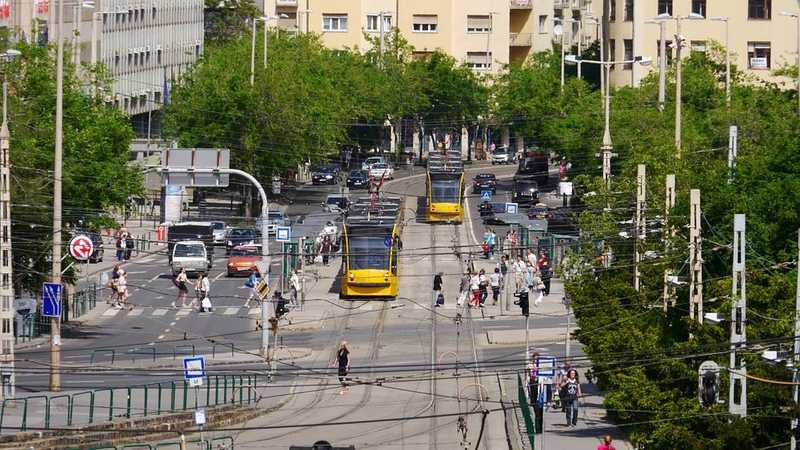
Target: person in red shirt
x=606, y=444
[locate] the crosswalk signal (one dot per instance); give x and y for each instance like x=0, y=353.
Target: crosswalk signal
x=708, y=384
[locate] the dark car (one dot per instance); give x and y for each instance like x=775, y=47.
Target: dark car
x=241, y=236
x=484, y=182
x=357, y=180
x=526, y=189
x=325, y=175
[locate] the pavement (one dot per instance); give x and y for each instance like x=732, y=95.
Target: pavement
x=410, y=360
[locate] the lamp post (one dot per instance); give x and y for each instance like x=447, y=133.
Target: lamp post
x=264, y=19
x=727, y=59
x=562, y=33
x=599, y=24
x=662, y=60
x=796, y=17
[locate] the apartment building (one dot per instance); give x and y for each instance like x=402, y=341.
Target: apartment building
x=144, y=44
x=760, y=38
x=484, y=34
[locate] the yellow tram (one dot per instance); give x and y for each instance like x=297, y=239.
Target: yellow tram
x=445, y=188
x=371, y=246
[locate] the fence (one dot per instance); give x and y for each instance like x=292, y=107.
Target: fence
x=530, y=427
x=211, y=443
x=42, y=412
x=77, y=303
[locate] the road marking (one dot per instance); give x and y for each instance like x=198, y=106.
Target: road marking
x=135, y=312
x=230, y=311
x=183, y=312
x=159, y=312
x=172, y=324
x=155, y=277
x=166, y=330
x=161, y=336
x=218, y=276
x=111, y=312
x=254, y=311
x=160, y=297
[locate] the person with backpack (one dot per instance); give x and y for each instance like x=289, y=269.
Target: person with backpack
x=437, y=288
x=252, y=282
x=545, y=270
x=571, y=387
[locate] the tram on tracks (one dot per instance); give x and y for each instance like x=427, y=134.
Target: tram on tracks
x=371, y=247
x=445, y=188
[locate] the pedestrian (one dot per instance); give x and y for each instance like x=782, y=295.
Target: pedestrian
x=294, y=285
x=327, y=246
x=503, y=265
x=522, y=295
x=560, y=379
x=343, y=359
x=129, y=245
x=120, y=247
x=606, y=444
x=537, y=286
x=122, y=290
x=181, y=282
x=437, y=288
x=112, y=284
x=463, y=289
x=483, y=286
x=572, y=392
x=519, y=269
x=280, y=305
x=252, y=283
x=535, y=397
x=492, y=242
x=474, y=285
x=531, y=258
x=495, y=281
x=507, y=243
x=203, y=287
x=545, y=270
x=514, y=242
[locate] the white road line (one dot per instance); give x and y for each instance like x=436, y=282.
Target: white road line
x=230, y=311
x=111, y=312
x=135, y=312
x=166, y=330
x=159, y=312
x=172, y=324
x=254, y=311
x=138, y=272
x=183, y=312
x=161, y=336
x=155, y=277
x=159, y=297
x=218, y=276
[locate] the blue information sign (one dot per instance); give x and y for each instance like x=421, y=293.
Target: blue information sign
x=387, y=241
x=486, y=196
x=283, y=234
x=194, y=367
x=51, y=300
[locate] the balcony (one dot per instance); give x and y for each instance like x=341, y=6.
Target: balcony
x=520, y=40
x=286, y=2
x=560, y=4
x=521, y=4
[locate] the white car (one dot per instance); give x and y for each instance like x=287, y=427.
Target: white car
x=371, y=161
x=501, y=155
x=381, y=170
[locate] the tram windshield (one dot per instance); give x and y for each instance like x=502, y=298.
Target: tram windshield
x=445, y=190
x=368, y=247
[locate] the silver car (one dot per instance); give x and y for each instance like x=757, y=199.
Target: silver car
x=219, y=232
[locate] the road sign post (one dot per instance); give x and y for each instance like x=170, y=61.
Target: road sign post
x=283, y=234
x=486, y=195
x=51, y=300
x=512, y=208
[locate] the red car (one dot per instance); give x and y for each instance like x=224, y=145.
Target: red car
x=243, y=260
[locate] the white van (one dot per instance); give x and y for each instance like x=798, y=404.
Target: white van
x=189, y=255
x=369, y=162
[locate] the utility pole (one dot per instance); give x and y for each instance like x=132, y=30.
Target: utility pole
x=662, y=65
x=641, y=226
x=695, y=258
x=580, y=44
x=796, y=356
x=55, y=322
x=380, y=27
x=253, y=55
x=669, y=233
x=737, y=396
x=678, y=82
x=733, y=149
x=6, y=268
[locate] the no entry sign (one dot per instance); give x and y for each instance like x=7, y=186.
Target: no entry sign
x=81, y=247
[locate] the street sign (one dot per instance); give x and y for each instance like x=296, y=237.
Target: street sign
x=81, y=247
x=546, y=366
x=51, y=300
x=512, y=208
x=200, y=417
x=486, y=196
x=387, y=241
x=283, y=234
x=194, y=367
x=178, y=166
x=262, y=288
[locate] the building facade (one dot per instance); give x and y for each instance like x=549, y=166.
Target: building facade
x=483, y=34
x=760, y=39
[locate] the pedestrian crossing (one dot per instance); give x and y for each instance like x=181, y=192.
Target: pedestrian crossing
x=144, y=311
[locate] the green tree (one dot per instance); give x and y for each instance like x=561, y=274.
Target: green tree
x=227, y=20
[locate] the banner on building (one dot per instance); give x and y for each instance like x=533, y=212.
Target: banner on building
x=41, y=8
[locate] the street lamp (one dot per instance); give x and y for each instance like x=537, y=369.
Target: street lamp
x=599, y=25
x=264, y=19
x=727, y=59
x=560, y=32
x=796, y=17
x=661, y=20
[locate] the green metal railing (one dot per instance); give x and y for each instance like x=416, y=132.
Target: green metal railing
x=106, y=405
x=530, y=427
x=208, y=443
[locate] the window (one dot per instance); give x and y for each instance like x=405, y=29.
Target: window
x=628, y=10
x=759, y=9
x=612, y=13
x=699, y=7
x=6, y=303
x=334, y=22
x=698, y=46
x=612, y=50
x=479, y=24
x=416, y=56
x=543, y=25
x=758, y=55
x=665, y=7
x=628, y=43
x=425, y=23
x=373, y=24
x=479, y=60
x=668, y=52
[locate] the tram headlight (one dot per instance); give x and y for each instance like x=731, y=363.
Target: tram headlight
x=433, y=208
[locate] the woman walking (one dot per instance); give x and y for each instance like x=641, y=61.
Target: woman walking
x=202, y=287
x=122, y=290
x=343, y=359
x=181, y=282
x=483, y=286
x=475, y=287
x=571, y=387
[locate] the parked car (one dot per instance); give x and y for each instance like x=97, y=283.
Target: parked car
x=325, y=175
x=243, y=260
x=502, y=155
x=484, y=182
x=241, y=236
x=358, y=179
x=372, y=160
x=191, y=256
x=381, y=170
x=219, y=232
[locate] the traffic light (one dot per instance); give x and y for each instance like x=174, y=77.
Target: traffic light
x=523, y=302
x=708, y=384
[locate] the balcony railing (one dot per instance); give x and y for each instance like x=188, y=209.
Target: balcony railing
x=520, y=39
x=286, y=2
x=521, y=4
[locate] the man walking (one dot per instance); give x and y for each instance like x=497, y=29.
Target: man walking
x=495, y=281
x=545, y=271
x=437, y=288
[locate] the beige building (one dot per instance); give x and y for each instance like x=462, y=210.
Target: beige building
x=760, y=38
x=484, y=34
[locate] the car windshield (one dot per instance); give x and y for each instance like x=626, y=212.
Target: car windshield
x=379, y=166
x=275, y=216
x=189, y=251
x=246, y=251
x=484, y=177
x=444, y=191
x=335, y=200
x=356, y=174
x=242, y=232
x=501, y=151
x=218, y=225
x=367, y=248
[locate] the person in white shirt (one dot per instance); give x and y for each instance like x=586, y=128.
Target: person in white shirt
x=294, y=285
x=495, y=281
x=519, y=269
x=474, y=285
